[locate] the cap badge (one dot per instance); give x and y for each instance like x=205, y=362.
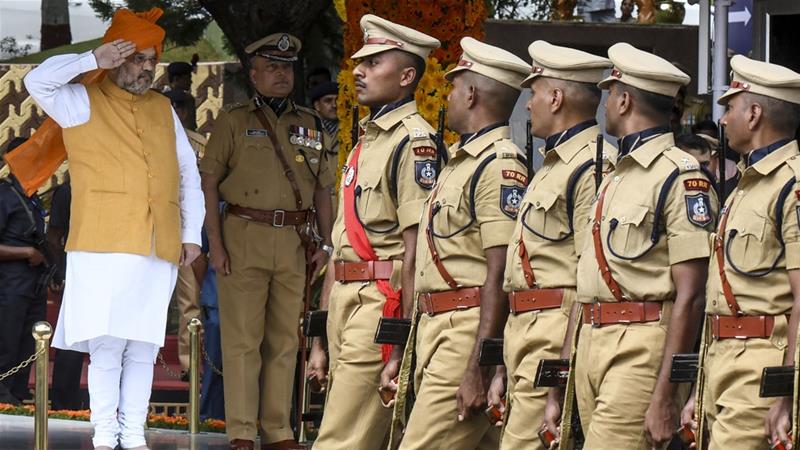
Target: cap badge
x=283, y=43
x=740, y=85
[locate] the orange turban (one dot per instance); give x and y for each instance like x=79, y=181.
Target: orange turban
x=139, y=28
x=33, y=162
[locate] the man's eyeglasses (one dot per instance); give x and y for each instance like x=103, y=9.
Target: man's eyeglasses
x=139, y=59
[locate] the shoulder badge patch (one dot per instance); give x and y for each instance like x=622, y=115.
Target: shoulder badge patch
x=696, y=184
x=425, y=173
x=425, y=151
x=510, y=200
x=516, y=176
x=256, y=132
x=697, y=209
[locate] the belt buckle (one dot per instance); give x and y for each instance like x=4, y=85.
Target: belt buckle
x=275, y=215
x=595, y=308
x=427, y=300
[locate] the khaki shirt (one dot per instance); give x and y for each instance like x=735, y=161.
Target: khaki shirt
x=630, y=201
x=756, y=246
x=384, y=214
x=461, y=239
x=567, y=169
x=241, y=154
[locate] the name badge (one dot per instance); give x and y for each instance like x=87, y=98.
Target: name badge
x=256, y=132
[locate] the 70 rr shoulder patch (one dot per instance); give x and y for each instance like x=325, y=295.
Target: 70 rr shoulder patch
x=425, y=173
x=510, y=200
x=698, y=209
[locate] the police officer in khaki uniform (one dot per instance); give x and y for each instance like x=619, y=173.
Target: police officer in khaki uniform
x=753, y=282
x=323, y=100
x=265, y=158
x=642, y=270
x=542, y=257
x=385, y=181
x=467, y=222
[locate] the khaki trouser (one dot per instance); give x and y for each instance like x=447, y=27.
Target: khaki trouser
x=354, y=418
x=616, y=370
x=529, y=338
x=734, y=411
x=260, y=304
x=444, y=345
x=188, y=297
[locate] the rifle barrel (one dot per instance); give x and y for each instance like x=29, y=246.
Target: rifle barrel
x=723, y=151
x=529, y=148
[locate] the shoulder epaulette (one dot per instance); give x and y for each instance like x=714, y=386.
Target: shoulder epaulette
x=505, y=149
x=419, y=131
x=306, y=110
x=794, y=164
x=232, y=106
x=682, y=160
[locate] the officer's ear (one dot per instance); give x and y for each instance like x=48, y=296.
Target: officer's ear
x=754, y=115
x=556, y=99
x=624, y=100
x=471, y=97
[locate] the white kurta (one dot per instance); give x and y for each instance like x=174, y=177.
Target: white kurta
x=114, y=294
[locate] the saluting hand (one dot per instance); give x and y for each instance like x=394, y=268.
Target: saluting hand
x=113, y=54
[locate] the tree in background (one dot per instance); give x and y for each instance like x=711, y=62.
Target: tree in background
x=519, y=9
x=183, y=20
x=55, y=28
x=242, y=22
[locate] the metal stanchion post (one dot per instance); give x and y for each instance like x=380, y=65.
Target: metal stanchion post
x=194, y=375
x=41, y=333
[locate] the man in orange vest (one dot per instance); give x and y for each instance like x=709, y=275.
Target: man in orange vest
x=137, y=211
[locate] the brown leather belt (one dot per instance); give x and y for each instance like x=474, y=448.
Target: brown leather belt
x=534, y=300
x=599, y=314
x=742, y=327
x=433, y=303
x=277, y=218
x=363, y=270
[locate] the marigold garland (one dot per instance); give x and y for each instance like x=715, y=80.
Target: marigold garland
x=446, y=20
x=153, y=420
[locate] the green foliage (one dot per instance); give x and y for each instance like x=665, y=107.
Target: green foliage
x=10, y=47
x=184, y=20
x=206, y=50
x=519, y=9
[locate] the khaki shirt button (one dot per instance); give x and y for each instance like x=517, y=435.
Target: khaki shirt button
x=135, y=109
x=622, y=219
x=421, y=273
x=616, y=178
x=741, y=192
x=149, y=200
x=714, y=303
x=139, y=131
x=538, y=203
x=149, y=175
